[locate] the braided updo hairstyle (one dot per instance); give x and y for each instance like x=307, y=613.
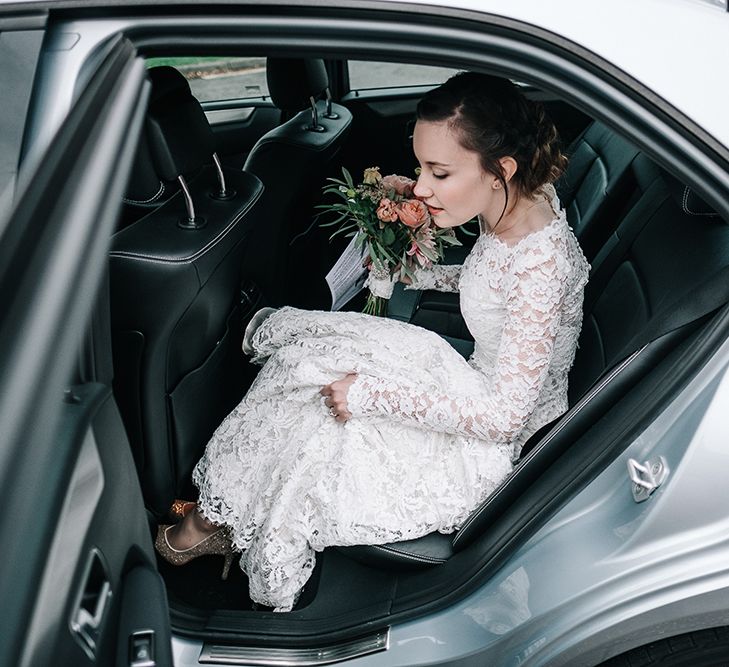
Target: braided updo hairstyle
x=494, y=119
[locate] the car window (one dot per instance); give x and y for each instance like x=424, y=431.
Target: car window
x=214, y=78
x=365, y=74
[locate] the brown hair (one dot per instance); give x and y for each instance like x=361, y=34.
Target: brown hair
x=494, y=119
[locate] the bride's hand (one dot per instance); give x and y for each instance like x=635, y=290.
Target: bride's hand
x=336, y=397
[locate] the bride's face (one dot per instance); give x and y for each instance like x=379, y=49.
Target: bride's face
x=452, y=181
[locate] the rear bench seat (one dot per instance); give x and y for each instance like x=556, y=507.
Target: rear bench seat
x=666, y=245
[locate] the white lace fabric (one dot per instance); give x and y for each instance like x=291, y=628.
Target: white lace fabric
x=431, y=434
x=441, y=277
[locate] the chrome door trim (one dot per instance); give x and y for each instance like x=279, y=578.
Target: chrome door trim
x=221, y=654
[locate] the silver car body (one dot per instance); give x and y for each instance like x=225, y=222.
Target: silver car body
x=606, y=573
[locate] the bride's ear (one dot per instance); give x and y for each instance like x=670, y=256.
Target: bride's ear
x=508, y=167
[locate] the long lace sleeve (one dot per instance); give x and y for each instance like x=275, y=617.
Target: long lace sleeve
x=534, y=296
x=441, y=277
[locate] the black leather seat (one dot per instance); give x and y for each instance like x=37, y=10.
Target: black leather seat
x=598, y=186
x=665, y=248
x=660, y=250
x=175, y=278
x=291, y=161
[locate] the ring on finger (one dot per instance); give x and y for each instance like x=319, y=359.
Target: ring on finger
x=332, y=412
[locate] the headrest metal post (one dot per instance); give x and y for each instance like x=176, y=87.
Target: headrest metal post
x=315, y=127
x=192, y=222
x=329, y=113
x=221, y=177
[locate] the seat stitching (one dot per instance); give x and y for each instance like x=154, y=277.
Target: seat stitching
x=407, y=555
x=156, y=195
x=686, y=209
x=199, y=253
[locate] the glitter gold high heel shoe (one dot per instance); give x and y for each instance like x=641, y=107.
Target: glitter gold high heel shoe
x=216, y=544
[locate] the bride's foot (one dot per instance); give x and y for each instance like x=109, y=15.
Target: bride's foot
x=194, y=536
x=193, y=528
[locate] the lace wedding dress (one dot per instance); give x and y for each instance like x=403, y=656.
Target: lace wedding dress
x=431, y=435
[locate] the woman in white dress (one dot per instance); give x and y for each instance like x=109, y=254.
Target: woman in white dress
x=364, y=430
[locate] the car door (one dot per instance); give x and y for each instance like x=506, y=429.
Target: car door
x=79, y=584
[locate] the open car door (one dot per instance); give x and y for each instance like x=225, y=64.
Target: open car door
x=79, y=584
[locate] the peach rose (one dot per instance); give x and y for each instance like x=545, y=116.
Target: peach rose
x=413, y=213
x=400, y=184
x=387, y=211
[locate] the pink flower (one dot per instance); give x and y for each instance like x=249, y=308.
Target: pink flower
x=423, y=246
x=387, y=211
x=415, y=252
x=425, y=238
x=402, y=185
x=413, y=213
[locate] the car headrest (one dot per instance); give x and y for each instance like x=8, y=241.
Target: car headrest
x=292, y=81
x=145, y=188
x=689, y=202
x=179, y=135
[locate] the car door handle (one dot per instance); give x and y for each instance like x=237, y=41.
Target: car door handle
x=93, y=602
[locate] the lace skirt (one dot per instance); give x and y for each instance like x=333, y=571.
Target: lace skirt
x=288, y=480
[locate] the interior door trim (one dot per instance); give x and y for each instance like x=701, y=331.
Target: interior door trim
x=53, y=250
x=75, y=516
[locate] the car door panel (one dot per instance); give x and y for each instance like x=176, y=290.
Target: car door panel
x=75, y=530
x=144, y=620
x=87, y=606
x=381, y=130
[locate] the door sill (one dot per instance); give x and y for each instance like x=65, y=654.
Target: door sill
x=190, y=652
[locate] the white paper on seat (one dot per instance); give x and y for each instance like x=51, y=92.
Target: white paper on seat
x=346, y=278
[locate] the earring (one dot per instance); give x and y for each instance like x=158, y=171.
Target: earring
x=496, y=185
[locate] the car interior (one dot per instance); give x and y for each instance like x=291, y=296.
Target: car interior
x=150, y=222
x=214, y=227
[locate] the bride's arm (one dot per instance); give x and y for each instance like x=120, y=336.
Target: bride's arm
x=533, y=304
x=441, y=277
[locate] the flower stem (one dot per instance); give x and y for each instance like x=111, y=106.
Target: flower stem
x=375, y=305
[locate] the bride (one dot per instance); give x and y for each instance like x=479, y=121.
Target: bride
x=364, y=430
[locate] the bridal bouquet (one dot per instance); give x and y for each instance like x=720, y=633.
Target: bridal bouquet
x=391, y=226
